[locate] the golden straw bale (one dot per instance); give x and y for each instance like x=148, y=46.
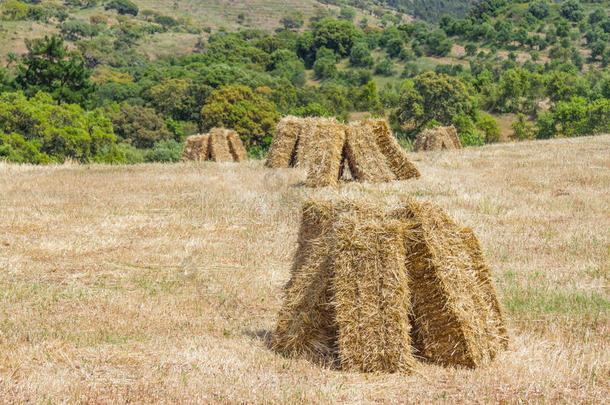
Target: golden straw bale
x=371, y=295
x=308, y=144
x=396, y=157
x=324, y=154
x=455, y=321
x=283, y=148
x=437, y=139
x=379, y=280
x=366, y=162
x=219, y=146
x=196, y=148
x=236, y=147
x=306, y=324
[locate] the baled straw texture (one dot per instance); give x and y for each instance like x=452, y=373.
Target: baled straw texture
x=282, y=151
x=196, y=148
x=455, y=322
x=377, y=280
x=371, y=295
x=325, y=154
x=219, y=146
x=437, y=139
x=366, y=162
x=396, y=157
x=308, y=144
x=306, y=323
x=236, y=147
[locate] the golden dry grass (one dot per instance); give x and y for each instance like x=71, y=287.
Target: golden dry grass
x=158, y=283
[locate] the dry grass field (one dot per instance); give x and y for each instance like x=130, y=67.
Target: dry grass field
x=161, y=283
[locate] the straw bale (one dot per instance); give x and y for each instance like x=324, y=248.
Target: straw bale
x=196, y=148
x=308, y=144
x=366, y=162
x=236, y=147
x=379, y=280
x=325, y=154
x=219, y=146
x=396, y=157
x=371, y=293
x=455, y=322
x=283, y=148
x=437, y=139
x=306, y=323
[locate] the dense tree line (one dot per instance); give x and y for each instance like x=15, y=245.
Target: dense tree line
x=134, y=109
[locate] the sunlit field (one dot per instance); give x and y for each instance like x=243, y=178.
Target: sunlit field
x=161, y=283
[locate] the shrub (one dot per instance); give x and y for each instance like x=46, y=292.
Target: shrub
x=472, y=138
x=138, y=126
x=489, y=126
x=241, y=109
x=522, y=129
x=58, y=132
x=123, y=7
x=165, y=151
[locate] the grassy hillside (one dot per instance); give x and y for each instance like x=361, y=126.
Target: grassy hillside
x=162, y=283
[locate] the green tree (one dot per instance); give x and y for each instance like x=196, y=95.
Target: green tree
x=51, y=132
x=50, y=68
x=123, y=7
x=325, y=68
x=292, y=21
x=241, y=109
x=572, y=10
x=434, y=97
x=361, y=55
x=139, y=126
x=336, y=35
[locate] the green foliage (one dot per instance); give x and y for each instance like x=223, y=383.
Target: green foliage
x=572, y=10
x=125, y=7
x=489, y=126
x=325, y=68
x=434, y=97
x=48, y=67
x=539, y=9
x=47, y=131
x=167, y=151
x=243, y=110
x=385, y=67
x=292, y=21
x=472, y=138
x=336, y=35
x=138, y=126
x=361, y=55
x=522, y=130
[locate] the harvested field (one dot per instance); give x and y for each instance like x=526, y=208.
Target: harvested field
x=162, y=283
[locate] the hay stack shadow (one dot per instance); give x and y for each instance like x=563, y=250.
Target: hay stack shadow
x=329, y=151
x=438, y=138
x=376, y=284
x=219, y=145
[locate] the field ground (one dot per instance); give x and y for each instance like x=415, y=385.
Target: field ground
x=161, y=283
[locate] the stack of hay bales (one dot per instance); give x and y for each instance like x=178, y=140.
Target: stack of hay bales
x=437, y=139
x=219, y=145
x=324, y=147
x=377, y=283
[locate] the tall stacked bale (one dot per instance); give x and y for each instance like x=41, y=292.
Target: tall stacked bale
x=456, y=316
x=219, y=146
x=396, y=157
x=283, y=148
x=366, y=162
x=236, y=147
x=371, y=294
x=369, y=149
x=325, y=157
x=370, y=275
x=437, y=139
x=196, y=148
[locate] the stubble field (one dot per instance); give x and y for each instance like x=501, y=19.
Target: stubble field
x=161, y=283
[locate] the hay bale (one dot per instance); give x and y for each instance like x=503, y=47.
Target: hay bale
x=219, y=146
x=437, y=139
x=306, y=325
x=371, y=295
x=456, y=317
x=283, y=148
x=236, y=147
x=378, y=279
x=324, y=154
x=396, y=157
x=366, y=162
x=196, y=148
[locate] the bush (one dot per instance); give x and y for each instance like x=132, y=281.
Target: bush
x=241, y=109
x=123, y=7
x=472, y=138
x=522, y=130
x=138, y=126
x=55, y=132
x=385, y=67
x=361, y=55
x=165, y=151
x=489, y=126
